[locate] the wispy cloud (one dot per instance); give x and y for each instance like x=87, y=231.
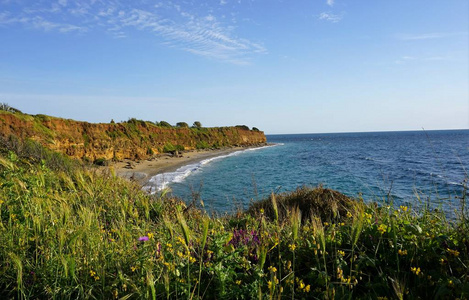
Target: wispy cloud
x=330, y=2
x=427, y=36
x=177, y=24
x=327, y=16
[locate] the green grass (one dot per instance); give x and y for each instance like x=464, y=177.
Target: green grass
x=73, y=233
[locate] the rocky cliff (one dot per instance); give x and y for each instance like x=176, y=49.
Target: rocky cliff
x=133, y=139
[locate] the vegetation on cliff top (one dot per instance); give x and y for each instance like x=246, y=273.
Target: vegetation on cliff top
x=70, y=233
x=132, y=139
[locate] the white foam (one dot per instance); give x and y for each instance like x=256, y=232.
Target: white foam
x=161, y=181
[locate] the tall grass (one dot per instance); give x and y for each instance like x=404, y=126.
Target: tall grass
x=70, y=233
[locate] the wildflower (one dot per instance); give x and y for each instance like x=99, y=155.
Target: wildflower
x=133, y=268
x=269, y=284
x=238, y=282
x=292, y=247
x=150, y=235
x=349, y=214
x=367, y=215
x=415, y=270
x=115, y=294
x=192, y=259
x=455, y=253
x=382, y=228
x=96, y=278
x=143, y=238
x=307, y=288
x=326, y=224
x=341, y=253
x=403, y=208
x=402, y=252
x=92, y=273
x=272, y=269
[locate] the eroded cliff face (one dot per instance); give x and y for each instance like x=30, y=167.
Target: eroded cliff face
x=129, y=140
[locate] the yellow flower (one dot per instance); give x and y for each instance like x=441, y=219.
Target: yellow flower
x=326, y=224
x=307, y=288
x=150, y=235
x=96, y=278
x=92, y=273
x=382, y=228
x=349, y=214
x=402, y=252
x=403, y=208
x=133, y=268
x=192, y=259
x=269, y=284
x=341, y=253
x=272, y=269
x=292, y=247
x=455, y=253
x=238, y=282
x=415, y=270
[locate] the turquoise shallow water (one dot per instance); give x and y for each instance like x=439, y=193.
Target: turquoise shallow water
x=379, y=166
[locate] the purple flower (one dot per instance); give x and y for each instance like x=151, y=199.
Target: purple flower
x=143, y=238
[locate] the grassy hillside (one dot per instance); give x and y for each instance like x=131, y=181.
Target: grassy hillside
x=67, y=232
x=134, y=139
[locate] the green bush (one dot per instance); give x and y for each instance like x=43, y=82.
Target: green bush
x=244, y=127
x=182, y=125
x=202, y=145
x=164, y=124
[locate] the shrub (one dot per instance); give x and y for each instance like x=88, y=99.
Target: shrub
x=244, y=127
x=8, y=108
x=255, y=129
x=202, y=145
x=164, y=124
x=182, y=125
x=100, y=162
x=197, y=124
x=170, y=148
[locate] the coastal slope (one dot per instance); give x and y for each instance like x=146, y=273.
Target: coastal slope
x=133, y=139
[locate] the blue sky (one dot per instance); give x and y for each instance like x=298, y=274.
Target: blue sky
x=283, y=66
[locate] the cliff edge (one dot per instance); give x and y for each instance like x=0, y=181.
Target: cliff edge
x=134, y=139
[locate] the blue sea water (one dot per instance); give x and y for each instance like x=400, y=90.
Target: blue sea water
x=379, y=166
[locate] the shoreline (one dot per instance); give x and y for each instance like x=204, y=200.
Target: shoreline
x=142, y=171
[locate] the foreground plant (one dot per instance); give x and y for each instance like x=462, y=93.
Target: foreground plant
x=74, y=233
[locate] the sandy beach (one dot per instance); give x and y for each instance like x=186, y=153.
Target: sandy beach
x=142, y=171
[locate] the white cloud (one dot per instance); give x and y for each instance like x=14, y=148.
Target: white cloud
x=326, y=16
x=178, y=24
x=330, y=2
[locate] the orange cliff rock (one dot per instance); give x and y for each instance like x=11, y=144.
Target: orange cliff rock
x=128, y=140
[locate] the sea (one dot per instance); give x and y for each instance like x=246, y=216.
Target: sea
x=413, y=168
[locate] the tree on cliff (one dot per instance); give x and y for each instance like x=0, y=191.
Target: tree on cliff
x=8, y=108
x=182, y=125
x=164, y=124
x=197, y=124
